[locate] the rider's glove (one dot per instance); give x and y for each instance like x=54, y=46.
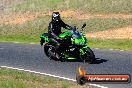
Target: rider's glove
x=41, y=42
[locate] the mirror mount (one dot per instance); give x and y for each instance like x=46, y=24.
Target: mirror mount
x=74, y=28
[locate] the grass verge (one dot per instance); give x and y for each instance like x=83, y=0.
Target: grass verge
x=40, y=23
x=125, y=44
x=94, y=6
x=100, y=24
x=17, y=79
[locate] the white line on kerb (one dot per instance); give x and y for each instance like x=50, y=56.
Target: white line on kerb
x=32, y=43
x=65, y=78
x=121, y=50
x=96, y=48
x=111, y=49
x=98, y=86
x=16, y=42
x=38, y=73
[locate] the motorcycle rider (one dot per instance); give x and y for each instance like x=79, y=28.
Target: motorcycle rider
x=54, y=29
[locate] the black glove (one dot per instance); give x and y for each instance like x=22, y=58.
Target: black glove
x=41, y=42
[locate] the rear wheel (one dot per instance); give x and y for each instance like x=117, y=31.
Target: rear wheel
x=62, y=57
x=88, y=56
x=49, y=50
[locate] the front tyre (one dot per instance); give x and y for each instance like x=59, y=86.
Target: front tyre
x=88, y=56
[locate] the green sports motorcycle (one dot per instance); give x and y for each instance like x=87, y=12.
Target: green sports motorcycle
x=73, y=46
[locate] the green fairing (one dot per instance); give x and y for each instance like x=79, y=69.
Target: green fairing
x=64, y=34
x=45, y=38
x=82, y=50
x=42, y=36
x=80, y=41
x=68, y=57
x=71, y=58
x=85, y=47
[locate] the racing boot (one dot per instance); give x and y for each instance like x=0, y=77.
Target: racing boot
x=59, y=53
x=57, y=50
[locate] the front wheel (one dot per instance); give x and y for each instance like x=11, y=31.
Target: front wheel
x=88, y=56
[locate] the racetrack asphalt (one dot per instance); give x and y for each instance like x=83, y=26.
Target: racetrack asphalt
x=32, y=57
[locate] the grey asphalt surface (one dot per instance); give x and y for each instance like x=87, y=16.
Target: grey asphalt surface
x=32, y=57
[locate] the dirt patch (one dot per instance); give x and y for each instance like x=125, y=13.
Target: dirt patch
x=121, y=33
x=19, y=17
x=4, y=4
x=83, y=15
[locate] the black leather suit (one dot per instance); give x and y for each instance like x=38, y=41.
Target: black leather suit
x=54, y=29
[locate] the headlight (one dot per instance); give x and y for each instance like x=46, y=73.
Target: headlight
x=78, y=41
x=81, y=43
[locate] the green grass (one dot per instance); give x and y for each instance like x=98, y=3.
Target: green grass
x=100, y=24
x=94, y=6
x=17, y=79
x=38, y=5
x=125, y=44
x=20, y=38
x=38, y=25
x=103, y=6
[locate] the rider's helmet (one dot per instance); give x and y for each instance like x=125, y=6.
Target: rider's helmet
x=56, y=16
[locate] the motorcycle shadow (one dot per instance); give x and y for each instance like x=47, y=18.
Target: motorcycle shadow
x=97, y=61
x=69, y=60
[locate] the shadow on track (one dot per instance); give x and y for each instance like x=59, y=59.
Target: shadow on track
x=97, y=61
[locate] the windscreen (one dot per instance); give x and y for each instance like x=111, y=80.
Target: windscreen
x=76, y=34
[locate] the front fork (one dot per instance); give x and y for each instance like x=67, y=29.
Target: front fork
x=83, y=49
x=43, y=39
x=83, y=53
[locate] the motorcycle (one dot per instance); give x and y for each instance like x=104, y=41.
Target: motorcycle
x=73, y=46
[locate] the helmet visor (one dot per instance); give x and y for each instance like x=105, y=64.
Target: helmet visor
x=56, y=17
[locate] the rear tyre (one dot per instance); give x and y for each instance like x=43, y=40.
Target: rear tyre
x=62, y=58
x=47, y=50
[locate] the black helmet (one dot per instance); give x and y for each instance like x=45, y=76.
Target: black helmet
x=56, y=16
